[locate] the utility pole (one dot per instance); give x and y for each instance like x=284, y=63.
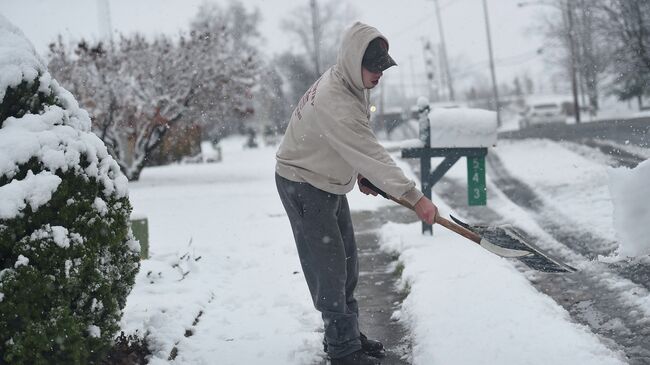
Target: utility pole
x=574, y=72
x=495, y=88
x=315, y=26
x=429, y=55
x=413, y=80
x=450, y=83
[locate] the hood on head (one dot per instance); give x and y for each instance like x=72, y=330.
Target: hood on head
x=353, y=46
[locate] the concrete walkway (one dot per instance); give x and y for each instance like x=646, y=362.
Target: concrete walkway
x=377, y=292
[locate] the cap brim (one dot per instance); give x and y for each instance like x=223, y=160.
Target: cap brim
x=382, y=63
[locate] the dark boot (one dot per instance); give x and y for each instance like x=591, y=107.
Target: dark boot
x=369, y=347
x=356, y=358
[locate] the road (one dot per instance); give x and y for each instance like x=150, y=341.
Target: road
x=631, y=131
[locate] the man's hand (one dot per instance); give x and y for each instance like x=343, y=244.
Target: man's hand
x=364, y=189
x=426, y=210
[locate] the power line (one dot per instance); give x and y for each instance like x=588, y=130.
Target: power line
x=419, y=22
x=415, y=24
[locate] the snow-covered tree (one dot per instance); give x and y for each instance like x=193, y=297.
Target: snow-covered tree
x=317, y=28
x=574, y=21
x=298, y=74
x=272, y=105
x=611, y=39
x=593, y=57
x=136, y=89
x=223, y=44
x=625, y=24
x=68, y=257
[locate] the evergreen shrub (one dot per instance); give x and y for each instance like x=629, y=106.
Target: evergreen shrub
x=68, y=258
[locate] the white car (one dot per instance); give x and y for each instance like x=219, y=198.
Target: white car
x=542, y=113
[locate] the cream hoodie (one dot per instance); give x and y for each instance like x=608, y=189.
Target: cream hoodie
x=329, y=140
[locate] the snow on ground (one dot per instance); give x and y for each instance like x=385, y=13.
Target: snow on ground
x=578, y=186
x=221, y=245
x=579, y=189
x=468, y=306
x=224, y=285
x=613, y=203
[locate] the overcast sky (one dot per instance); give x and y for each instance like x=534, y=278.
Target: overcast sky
x=404, y=22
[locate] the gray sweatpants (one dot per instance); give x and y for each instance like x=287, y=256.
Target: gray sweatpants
x=322, y=229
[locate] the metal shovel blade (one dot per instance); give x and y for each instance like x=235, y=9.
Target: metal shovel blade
x=502, y=251
x=537, y=258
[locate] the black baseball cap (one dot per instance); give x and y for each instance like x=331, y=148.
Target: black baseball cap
x=376, y=57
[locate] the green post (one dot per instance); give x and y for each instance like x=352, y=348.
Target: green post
x=476, y=188
x=140, y=228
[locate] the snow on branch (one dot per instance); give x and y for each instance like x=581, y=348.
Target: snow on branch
x=136, y=89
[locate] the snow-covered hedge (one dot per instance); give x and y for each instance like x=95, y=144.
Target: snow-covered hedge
x=67, y=256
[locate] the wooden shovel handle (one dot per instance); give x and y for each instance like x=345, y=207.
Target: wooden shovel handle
x=440, y=220
x=458, y=229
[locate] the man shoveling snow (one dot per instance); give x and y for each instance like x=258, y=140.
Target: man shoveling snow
x=328, y=146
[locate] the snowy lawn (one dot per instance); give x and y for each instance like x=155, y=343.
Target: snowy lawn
x=221, y=245
x=224, y=285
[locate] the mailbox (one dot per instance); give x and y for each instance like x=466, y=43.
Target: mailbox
x=452, y=133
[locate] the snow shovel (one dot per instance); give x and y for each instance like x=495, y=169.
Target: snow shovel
x=512, y=244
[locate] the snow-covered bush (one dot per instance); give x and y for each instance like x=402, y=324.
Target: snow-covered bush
x=67, y=256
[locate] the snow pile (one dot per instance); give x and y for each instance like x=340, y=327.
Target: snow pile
x=463, y=127
x=630, y=191
x=468, y=306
